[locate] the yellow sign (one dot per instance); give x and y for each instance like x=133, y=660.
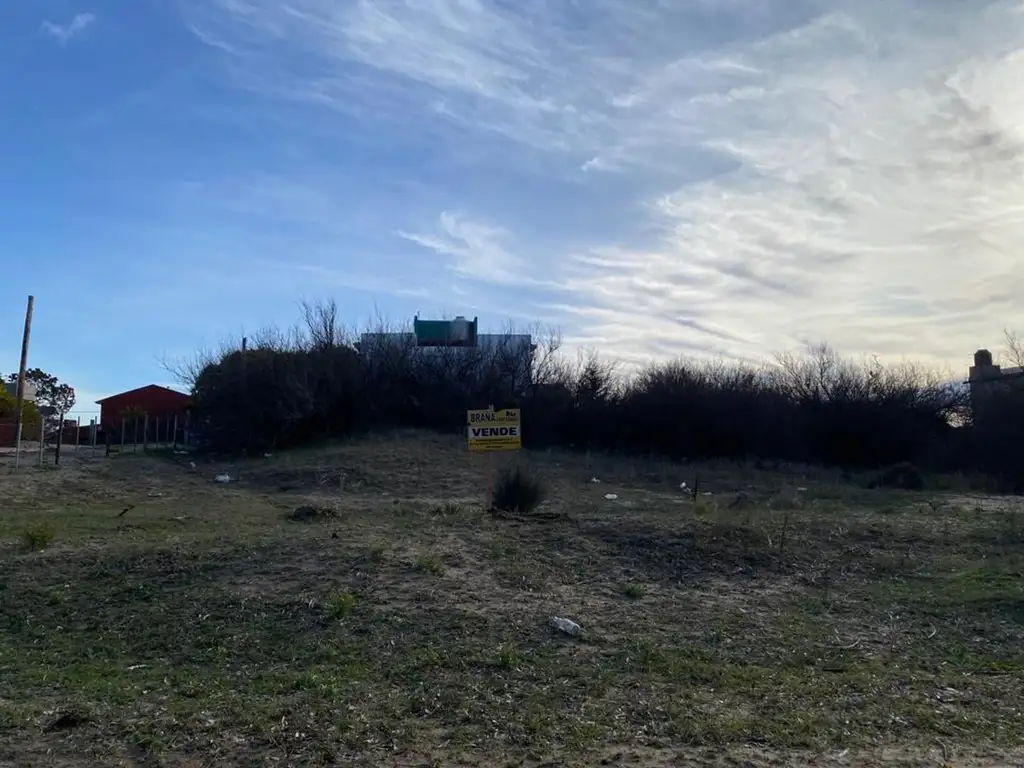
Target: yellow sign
x=491, y=430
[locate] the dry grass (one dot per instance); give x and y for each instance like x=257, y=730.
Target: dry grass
x=762, y=624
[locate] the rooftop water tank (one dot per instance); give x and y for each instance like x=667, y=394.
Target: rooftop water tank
x=460, y=330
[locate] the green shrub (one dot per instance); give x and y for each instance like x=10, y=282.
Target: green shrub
x=517, y=491
x=38, y=536
x=340, y=604
x=8, y=405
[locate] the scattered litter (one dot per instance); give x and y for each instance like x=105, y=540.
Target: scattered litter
x=133, y=667
x=567, y=626
x=222, y=478
x=154, y=494
x=683, y=485
x=192, y=465
x=801, y=488
x=611, y=496
x=181, y=453
x=594, y=480
x=266, y=455
x=707, y=493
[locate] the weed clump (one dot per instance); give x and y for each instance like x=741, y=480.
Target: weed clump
x=38, y=536
x=429, y=563
x=340, y=604
x=517, y=491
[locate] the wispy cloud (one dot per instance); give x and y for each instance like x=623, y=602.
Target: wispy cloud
x=474, y=248
x=65, y=33
x=728, y=175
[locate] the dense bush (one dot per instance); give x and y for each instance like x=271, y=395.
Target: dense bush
x=9, y=407
x=287, y=390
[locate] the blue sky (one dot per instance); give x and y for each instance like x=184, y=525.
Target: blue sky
x=728, y=177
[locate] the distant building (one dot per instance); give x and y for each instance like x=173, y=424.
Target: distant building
x=30, y=390
x=512, y=352
x=988, y=381
x=155, y=401
x=459, y=333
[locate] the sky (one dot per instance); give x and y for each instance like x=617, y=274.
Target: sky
x=654, y=178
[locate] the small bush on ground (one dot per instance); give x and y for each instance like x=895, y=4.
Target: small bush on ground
x=517, y=491
x=340, y=604
x=38, y=536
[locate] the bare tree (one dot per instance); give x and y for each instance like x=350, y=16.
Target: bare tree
x=1014, y=348
x=322, y=324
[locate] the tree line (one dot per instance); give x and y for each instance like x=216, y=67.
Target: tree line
x=318, y=381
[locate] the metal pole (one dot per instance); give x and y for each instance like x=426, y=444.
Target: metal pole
x=20, y=397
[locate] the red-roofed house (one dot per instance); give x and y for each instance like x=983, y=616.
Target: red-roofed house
x=156, y=401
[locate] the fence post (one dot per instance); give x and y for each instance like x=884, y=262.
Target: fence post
x=124, y=425
x=145, y=432
x=174, y=436
x=78, y=429
x=42, y=438
x=92, y=436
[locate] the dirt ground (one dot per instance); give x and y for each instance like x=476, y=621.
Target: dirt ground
x=357, y=604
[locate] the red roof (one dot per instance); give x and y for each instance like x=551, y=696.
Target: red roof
x=148, y=387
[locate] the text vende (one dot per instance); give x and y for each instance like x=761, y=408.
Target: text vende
x=495, y=431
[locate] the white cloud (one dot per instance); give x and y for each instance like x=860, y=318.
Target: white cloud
x=782, y=171
x=65, y=33
x=474, y=247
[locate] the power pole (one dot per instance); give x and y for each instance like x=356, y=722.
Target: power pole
x=20, y=398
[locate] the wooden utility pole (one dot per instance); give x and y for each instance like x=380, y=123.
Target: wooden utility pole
x=20, y=398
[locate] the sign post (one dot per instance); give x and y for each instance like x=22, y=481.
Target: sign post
x=490, y=431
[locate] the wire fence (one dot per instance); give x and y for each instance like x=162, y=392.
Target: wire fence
x=136, y=434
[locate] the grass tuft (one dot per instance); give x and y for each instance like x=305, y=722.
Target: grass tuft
x=633, y=591
x=508, y=658
x=38, y=536
x=516, y=490
x=340, y=604
x=428, y=562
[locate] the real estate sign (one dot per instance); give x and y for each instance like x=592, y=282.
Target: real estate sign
x=491, y=430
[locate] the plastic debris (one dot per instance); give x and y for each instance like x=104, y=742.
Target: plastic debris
x=566, y=626
x=801, y=488
x=222, y=478
x=683, y=486
x=594, y=480
x=192, y=465
x=611, y=496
